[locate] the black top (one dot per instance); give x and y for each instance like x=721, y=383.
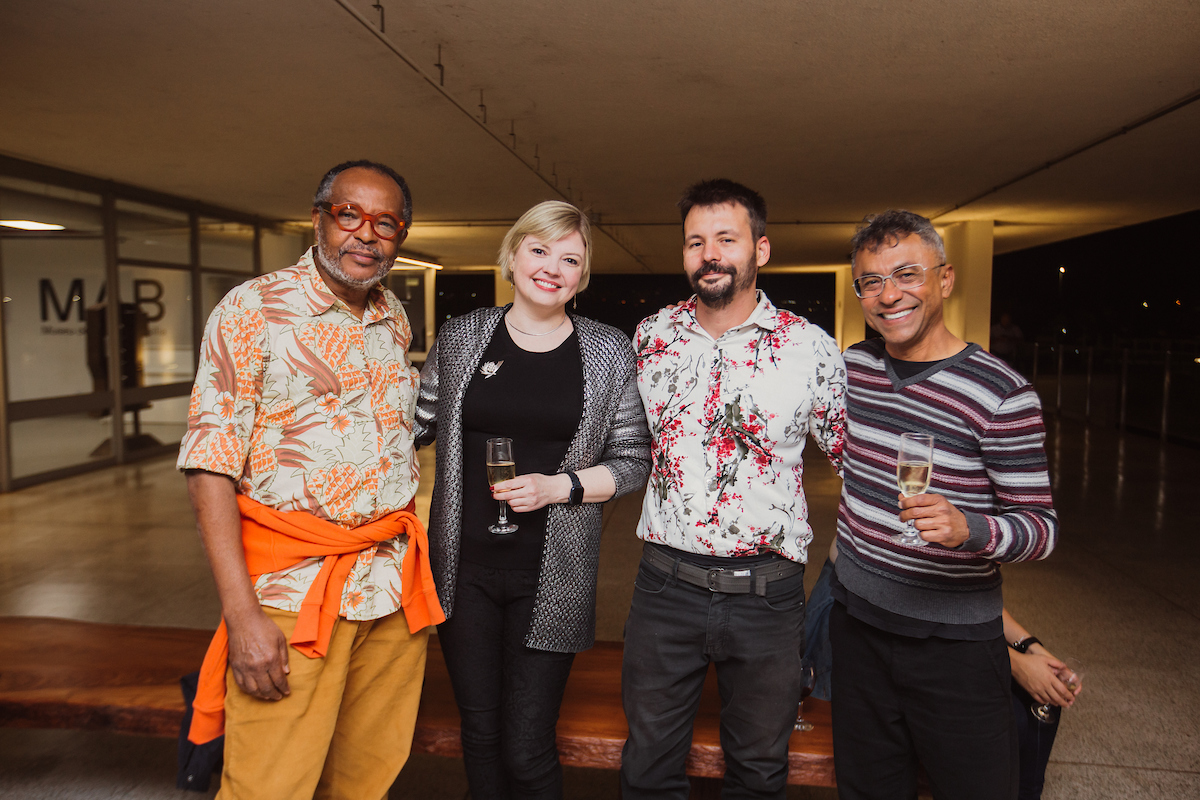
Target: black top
x=535, y=399
x=911, y=369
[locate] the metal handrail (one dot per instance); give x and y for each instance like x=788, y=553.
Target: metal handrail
x=1085, y=375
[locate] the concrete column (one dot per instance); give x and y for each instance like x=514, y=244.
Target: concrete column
x=431, y=322
x=968, y=312
x=504, y=290
x=849, y=323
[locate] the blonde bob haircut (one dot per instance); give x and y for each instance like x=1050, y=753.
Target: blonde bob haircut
x=548, y=221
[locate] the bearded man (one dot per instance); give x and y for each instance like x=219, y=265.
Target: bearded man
x=732, y=388
x=301, y=471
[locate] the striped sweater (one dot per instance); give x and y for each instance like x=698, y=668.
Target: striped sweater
x=989, y=461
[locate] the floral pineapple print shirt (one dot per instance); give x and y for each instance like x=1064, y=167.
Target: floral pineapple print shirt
x=310, y=409
x=729, y=418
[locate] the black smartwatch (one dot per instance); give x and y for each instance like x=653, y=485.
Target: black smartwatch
x=576, y=496
x=1023, y=645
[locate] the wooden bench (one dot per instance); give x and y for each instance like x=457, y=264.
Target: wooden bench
x=57, y=673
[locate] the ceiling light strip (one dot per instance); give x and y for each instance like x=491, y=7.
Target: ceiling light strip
x=30, y=225
x=416, y=262
x=1151, y=117
x=366, y=23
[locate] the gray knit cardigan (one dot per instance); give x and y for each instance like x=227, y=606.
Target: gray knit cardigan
x=612, y=432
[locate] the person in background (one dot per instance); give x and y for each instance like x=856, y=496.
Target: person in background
x=1006, y=339
x=520, y=605
x=301, y=470
x=919, y=658
x=816, y=628
x=1035, y=674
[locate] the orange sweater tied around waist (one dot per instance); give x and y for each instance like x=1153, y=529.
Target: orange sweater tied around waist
x=275, y=540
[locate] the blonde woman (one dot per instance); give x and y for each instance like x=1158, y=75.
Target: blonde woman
x=520, y=605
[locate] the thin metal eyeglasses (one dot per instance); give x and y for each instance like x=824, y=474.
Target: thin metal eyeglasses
x=907, y=277
x=350, y=218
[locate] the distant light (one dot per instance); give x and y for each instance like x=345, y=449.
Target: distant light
x=416, y=263
x=1197, y=360
x=1178, y=303
x=30, y=225
x=1145, y=305
x=1064, y=330
x=1062, y=270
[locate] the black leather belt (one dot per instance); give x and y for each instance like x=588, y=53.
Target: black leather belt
x=735, y=580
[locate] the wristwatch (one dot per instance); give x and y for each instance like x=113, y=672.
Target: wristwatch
x=1023, y=645
x=576, y=496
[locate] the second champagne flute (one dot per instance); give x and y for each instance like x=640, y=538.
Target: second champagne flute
x=808, y=682
x=914, y=469
x=1072, y=676
x=501, y=466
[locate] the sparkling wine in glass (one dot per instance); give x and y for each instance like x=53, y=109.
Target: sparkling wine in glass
x=914, y=469
x=501, y=467
x=1072, y=676
x=808, y=682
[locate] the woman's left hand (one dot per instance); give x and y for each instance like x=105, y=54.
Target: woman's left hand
x=532, y=491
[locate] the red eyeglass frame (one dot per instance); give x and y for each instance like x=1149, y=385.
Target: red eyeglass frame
x=333, y=210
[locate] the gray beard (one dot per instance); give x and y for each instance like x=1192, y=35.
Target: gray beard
x=331, y=260
x=719, y=298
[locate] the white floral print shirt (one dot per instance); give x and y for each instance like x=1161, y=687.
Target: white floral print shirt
x=729, y=418
x=310, y=409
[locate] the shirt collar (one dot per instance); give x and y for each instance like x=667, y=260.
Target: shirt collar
x=321, y=299
x=764, y=315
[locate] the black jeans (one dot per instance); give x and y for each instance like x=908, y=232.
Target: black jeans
x=898, y=699
x=1036, y=739
x=673, y=632
x=508, y=694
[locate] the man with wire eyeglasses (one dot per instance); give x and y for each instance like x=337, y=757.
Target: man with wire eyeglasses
x=920, y=666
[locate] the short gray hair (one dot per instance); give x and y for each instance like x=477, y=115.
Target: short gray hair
x=889, y=228
x=548, y=221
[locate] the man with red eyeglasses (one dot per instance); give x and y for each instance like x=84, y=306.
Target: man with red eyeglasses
x=301, y=469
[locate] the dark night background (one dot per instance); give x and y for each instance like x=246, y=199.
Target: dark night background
x=1124, y=287
x=1129, y=357
x=1121, y=287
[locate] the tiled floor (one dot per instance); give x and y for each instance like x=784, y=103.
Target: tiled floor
x=1121, y=593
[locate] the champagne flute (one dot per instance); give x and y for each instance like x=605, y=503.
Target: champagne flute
x=808, y=682
x=501, y=467
x=1072, y=676
x=914, y=469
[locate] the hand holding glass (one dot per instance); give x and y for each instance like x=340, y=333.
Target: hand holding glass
x=1072, y=677
x=501, y=466
x=914, y=469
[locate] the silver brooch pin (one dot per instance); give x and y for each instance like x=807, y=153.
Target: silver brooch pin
x=490, y=368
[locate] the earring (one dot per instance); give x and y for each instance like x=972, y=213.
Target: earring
x=575, y=302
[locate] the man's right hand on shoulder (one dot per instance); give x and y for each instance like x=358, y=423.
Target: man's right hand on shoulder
x=258, y=656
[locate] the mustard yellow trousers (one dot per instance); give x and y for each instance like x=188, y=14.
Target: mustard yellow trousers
x=345, y=730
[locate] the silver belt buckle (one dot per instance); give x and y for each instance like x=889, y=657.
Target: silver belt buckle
x=712, y=579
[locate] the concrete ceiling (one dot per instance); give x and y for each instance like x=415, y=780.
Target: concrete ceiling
x=831, y=108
